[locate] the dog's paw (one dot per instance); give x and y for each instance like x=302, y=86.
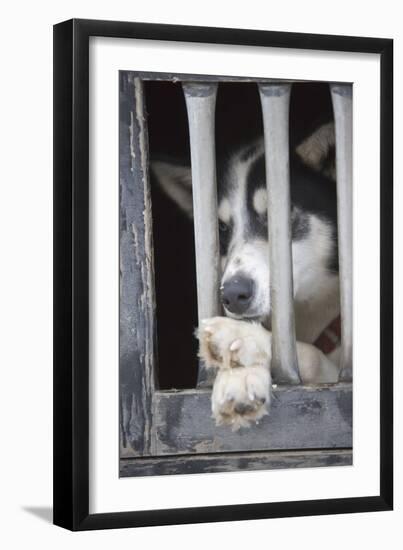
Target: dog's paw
x=242, y=352
x=241, y=396
x=229, y=343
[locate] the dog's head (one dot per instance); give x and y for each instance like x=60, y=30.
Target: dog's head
x=243, y=227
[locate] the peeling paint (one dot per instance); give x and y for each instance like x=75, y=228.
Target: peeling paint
x=131, y=138
x=233, y=462
x=136, y=311
x=300, y=418
x=135, y=243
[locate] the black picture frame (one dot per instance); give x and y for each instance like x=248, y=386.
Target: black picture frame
x=71, y=274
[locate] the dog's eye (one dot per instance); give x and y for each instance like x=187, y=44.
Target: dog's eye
x=222, y=227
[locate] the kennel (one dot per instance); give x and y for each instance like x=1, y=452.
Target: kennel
x=307, y=425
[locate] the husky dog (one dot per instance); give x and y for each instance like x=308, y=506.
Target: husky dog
x=239, y=344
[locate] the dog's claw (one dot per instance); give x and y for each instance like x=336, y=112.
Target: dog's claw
x=236, y=345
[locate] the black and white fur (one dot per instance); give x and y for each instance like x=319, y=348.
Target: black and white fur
x=239, y=344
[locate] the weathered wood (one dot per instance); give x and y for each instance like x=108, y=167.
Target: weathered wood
x=275, y=99
x=301, y=417
x=342, y=97
x=231, y=462
x=136, y=274
x=189, y=77
x=200, y=101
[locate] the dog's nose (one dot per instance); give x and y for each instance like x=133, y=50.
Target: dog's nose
x=236, y=294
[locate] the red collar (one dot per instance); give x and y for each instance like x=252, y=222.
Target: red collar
x=330, y=338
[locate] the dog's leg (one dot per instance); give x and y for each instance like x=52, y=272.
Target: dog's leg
x=241, y=351
x=314, y=366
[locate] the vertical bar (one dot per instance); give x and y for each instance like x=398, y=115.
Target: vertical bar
x=342, y=96
x=200, y=103
x=275, y=99
x=137, y=301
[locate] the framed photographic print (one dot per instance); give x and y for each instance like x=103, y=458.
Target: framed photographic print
x=223, y=274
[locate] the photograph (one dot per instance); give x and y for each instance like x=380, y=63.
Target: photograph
x=202, y=254
x=235, y=273
x=223, y=274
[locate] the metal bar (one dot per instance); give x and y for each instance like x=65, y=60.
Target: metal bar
x=200, y=101
x=342, y=104
x=275, y=99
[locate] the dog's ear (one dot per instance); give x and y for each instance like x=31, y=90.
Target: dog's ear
x=176, y=182
x=318, y=150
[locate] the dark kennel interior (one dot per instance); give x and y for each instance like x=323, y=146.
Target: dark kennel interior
x=238, y=120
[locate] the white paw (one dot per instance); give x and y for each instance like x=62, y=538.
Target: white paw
x=241, y=351
x=226, y=343
x=240, y=396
